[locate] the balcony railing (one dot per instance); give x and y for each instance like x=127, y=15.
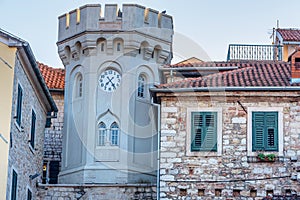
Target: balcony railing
x=254, y=52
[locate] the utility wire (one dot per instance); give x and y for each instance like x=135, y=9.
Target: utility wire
x=5, y=62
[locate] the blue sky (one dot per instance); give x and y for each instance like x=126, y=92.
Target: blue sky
x=209, y=24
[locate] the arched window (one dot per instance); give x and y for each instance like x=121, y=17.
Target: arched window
x=102, y=134
x=114, y=134
x=141, y=86
x=79, y=86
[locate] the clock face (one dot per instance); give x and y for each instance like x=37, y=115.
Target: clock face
x=109, y=80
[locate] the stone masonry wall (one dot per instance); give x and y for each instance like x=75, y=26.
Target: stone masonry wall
x=23, y=158
x=53, y=135
x=105, y=192
x=233, y=173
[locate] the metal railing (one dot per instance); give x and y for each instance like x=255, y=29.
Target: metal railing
x=254, y=52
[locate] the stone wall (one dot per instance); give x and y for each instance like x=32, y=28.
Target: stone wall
x=53, y=135
x=99, y=192
x=23, y=158
x=233, y=172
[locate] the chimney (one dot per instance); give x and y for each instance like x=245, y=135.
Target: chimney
x=295, y=66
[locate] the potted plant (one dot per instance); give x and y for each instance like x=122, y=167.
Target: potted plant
x=268, y=157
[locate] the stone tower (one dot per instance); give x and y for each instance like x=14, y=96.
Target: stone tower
x=111, y=61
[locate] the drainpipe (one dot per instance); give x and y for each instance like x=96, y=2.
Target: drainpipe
x=158, y=150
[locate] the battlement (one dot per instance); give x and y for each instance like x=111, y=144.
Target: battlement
x=130, y=17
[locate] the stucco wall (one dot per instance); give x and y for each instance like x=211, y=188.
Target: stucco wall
x=196, y=176
x=6, y=86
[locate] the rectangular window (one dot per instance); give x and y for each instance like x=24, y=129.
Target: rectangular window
x=19, y=105
x=14, y=185
x=29, y=195
x=265, y=131
x=204, y=131
x=32, y=133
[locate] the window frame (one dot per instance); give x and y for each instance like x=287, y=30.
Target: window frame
x=100, y=131
x=219, y=124
x=279, y=110
x=113, y=131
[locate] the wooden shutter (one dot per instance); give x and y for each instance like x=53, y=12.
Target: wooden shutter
x=29, y=195
x=19, y=105
x=32, y=135
x=204, y=131
x=14, y=185
x=265, y=131
x=271, y=130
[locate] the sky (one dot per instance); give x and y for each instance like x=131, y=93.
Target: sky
x=203, y=28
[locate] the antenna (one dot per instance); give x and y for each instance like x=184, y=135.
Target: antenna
x=277, y=23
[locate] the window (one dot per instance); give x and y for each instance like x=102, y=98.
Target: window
x=102, y=134
x=79, y=85
x=118, y=46
x=141, y=86
x=265, y=131
x=32, y=132
x=204, y=131
x=14, y=185
x=108, y=135
x=19, y=105
x=29, y=195
x=102, y=46
x=114, y=134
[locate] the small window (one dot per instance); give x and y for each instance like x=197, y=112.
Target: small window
x=182, y=192
x=201, y=192
x=118, y=46
x=14, y=185
x=32, y=132
x=204, y=131
x=79, y=86
x=114, y=134
x=265, y=131
x=236, y=193
x=29, y=195
x=141, y=86
x=102, y=134
x=102, y=47
x=218, y=192
x=19, y=105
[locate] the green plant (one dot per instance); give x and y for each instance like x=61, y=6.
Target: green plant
x=268, y=157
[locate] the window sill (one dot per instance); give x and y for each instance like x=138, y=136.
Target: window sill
x=203, y=154
x=20, y=129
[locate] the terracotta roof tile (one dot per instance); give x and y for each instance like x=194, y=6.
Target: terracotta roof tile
x=54, y=77
x=212, y=64
x=249, y=74
x=290, y=34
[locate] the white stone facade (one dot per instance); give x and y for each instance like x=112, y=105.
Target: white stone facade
x=132, y=43
x=236, y=172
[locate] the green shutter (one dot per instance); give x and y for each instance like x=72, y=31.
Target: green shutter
x=14, y=186
x=19, y=105
x=204, y=131
x=265, y=131
x=32, y=135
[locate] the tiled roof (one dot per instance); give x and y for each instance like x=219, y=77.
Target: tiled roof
x=208, y=64
x=54, y=77
x=290, y=34
x=249, y=74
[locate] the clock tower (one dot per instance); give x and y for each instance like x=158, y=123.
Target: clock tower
x=110, y=123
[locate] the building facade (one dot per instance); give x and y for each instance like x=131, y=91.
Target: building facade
x=7, y=60
x=111, y=60
x=55, y=80
x=231, y=133
x=30, y=103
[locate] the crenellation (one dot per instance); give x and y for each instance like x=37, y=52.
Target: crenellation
x=111, y=12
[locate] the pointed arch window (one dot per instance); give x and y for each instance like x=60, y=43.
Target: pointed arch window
x=102, y=134
x=141, y=86
x=114, y=134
